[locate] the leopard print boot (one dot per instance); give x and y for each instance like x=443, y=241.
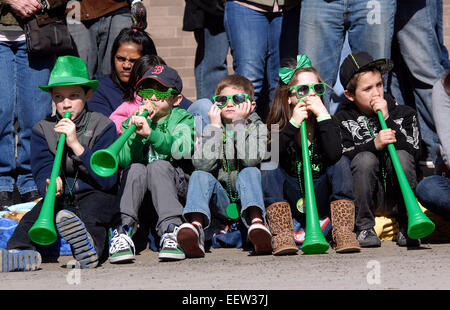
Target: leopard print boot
x=279, y=218
x=342, y=223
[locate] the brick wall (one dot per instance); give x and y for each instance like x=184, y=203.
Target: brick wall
x=177, y=47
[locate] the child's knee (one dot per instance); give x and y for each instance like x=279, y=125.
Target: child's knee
x=364, y=162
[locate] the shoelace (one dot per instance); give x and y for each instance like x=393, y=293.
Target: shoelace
x=120, y=242
x=170, y=243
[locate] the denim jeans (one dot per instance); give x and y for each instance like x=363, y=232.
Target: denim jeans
x=335, y=184
x=420, y=58
x=255, y=45
x=324, y=23
x=20, y=100
x=210, y=60
x=433, y=193
x=200, y=109
x=207, y=196
x=94, y=40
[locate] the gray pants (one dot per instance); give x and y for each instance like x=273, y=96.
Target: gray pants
x=94, y=40
x=369, y=188
x=167, y=185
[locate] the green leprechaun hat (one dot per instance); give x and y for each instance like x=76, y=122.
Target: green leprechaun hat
x=69, y=70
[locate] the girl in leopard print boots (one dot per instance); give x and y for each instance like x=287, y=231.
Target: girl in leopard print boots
x=298, y=97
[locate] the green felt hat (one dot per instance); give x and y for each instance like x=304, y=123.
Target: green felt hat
x=69, y=70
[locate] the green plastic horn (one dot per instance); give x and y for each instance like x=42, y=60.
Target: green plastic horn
x=419, y=225
x=104, y=162
x=43, y=231
x=315, y=242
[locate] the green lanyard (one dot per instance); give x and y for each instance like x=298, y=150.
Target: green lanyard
x=383, y=170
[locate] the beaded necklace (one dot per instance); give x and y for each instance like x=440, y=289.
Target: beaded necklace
x=299, y=165
x=232, y=208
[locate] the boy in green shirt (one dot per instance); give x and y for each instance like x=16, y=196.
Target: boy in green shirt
x=155, y=157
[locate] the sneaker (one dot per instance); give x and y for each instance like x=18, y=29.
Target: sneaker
x=121, y=246
x=19, y=260
x=191, y=238
x=73, y=231
x=260, y=236
x=404, y=240
x=368, y=238
x=170, y=249
x=138, y=15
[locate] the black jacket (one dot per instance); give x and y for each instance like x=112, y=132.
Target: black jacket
x=356, y=135
x=327, y=147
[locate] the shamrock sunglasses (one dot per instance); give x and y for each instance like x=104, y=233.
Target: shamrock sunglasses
x=237, y=99
x=159, y=94
x=302, y=90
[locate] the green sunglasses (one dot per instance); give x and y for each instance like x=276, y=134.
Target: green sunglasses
x=147, y=93
x=303, y=90
x=237, y=99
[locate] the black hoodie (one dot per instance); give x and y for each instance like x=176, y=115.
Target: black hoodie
x=356, y=135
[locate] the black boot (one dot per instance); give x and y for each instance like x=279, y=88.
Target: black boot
x=6, y=200
x=29, y=196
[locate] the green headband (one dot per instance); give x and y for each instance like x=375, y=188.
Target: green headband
x=286, y=73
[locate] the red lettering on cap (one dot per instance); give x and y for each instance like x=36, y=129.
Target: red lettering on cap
x=158, y=69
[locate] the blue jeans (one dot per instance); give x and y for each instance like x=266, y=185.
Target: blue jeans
x=200, y=109
x=324, y=23
x=433, y=192
x=20, y=99
x=94, y=40
x=210, y=60
x=335, y=184
x=207, y=196
x=255, y=45
x=419, y=49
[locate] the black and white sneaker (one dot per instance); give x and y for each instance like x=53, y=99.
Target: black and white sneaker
x=121, y=246
x=170, y=250
x=191, y=238
x=73, y=231
x=404, y=240
x=368, y=238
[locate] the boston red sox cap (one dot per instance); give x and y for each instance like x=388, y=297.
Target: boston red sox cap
x=165, y=75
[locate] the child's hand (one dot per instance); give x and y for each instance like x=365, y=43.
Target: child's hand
x=67, y=127
x=59, y=186
x=242, y=111
x=300, y=112
x=149, y=106
x=385, y=137
x=142, y=127
x=378, y=103
x=316, y=106
x=214, y=116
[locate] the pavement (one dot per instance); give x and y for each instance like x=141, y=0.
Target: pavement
x=388, y=267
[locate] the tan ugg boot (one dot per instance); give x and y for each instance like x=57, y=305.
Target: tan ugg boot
x=279, y=218
x=342, y=223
